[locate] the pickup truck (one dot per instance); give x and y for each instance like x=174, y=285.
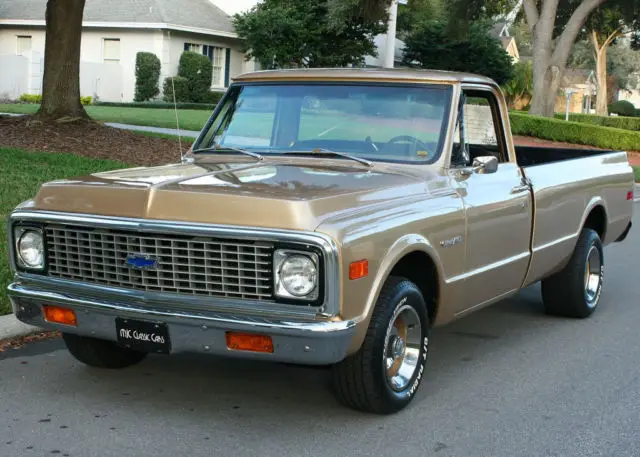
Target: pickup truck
x=328, y=217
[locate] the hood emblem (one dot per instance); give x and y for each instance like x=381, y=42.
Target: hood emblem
x=141, y=262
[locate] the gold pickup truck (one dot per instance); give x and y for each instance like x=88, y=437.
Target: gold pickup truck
x=323, y=217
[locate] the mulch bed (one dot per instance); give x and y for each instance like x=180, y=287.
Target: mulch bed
x=18, y=342
x=89, y=139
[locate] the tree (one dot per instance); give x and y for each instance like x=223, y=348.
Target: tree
x=480, y=53
x=603, y=27
x=303, y=33
x=551, y=50
x=623, y=65
x=61, y=79
x=519, y=89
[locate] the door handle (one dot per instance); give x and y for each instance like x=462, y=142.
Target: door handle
x=520, y=189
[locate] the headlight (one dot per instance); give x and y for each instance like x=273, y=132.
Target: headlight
x=30, y=248
x=296, y=274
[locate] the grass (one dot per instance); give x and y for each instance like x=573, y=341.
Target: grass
x=636, y=170
x=190, y=119
x=22, y=174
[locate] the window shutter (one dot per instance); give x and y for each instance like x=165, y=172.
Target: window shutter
x=227, y=64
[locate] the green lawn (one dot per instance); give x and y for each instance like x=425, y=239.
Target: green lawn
x=22, y=173
x=190, y=119
x=637, y=172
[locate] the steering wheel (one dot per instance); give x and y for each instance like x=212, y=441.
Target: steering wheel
x=420, y=146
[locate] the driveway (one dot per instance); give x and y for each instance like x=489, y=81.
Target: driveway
x=506, y=381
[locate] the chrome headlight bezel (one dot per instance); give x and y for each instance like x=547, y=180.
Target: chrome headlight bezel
x=315, y=296
x=19, y=231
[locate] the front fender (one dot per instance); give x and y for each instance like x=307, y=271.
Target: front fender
x=401, y=247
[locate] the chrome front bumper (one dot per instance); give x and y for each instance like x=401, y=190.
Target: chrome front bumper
x=298, y=341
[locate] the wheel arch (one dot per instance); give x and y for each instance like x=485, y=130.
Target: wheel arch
x=595, y=217
x=407, y=257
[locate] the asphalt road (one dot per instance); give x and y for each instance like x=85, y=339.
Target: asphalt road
x=506, y=381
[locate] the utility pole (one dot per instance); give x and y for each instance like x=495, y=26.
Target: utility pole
x=390, y=43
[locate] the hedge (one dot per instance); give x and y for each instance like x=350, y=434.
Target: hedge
x=620, y=122
x=574, y=132
x=147, y=76
x=197, y=69
x=623, y=108
x=181, y=88
x=161, y=105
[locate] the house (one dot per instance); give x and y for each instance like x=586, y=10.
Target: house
x=579, y=86
x=113, y=32
x=500, y=30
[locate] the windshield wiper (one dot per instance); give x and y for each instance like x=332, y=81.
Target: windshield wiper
x=339, y=154
x=228, y=149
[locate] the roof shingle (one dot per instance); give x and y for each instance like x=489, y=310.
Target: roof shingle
x=187, y=13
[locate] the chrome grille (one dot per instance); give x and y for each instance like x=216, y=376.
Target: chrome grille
x=185, y=264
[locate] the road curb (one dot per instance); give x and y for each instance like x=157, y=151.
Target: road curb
x=10, y=327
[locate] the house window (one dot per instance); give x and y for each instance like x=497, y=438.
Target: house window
x=217, y=59
x=193, y=47
x=24, y=44
x=111, y=50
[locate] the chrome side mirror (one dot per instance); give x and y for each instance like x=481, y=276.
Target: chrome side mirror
x=485, y=164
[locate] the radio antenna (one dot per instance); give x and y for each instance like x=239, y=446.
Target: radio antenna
x=175, y=110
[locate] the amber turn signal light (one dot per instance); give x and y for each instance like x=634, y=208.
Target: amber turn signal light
x=359, y=269
x=249, y=342
x=60, y=315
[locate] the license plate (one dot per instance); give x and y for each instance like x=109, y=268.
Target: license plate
x=143, y=336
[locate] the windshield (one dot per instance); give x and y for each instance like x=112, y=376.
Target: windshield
x=396, y=123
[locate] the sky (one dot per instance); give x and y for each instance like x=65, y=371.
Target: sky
x=234, y=6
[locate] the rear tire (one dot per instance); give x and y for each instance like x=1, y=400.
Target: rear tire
x=575, y=290
x=385, y=373
x=101, y=353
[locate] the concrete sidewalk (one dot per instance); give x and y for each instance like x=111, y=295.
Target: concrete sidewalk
x=10, y=327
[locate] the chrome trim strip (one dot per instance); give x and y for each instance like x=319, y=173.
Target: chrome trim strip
x=17, y=291
x=328, y=246
x=492, y=266
x=555, y=242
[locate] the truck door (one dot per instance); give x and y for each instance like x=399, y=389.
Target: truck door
x=498, y=203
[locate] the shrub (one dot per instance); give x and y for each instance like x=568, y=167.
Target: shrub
x=623, y=108
x=620, y=122
x=30, y=98
x=181, y=87
x=212, y=97
x=37, y=98
x=574, y=132
x=147, y=76
x=197, y=70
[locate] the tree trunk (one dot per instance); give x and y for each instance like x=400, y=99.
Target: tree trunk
x=601, y=78
x=548, y=65
x=61, y=80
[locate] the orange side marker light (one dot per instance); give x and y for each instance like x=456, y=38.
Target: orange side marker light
x=358, y=269
x=249, y=342
x=60, y=315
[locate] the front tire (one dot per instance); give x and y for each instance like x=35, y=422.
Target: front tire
x=575, y=290
x=385, y=373
x=101, y=353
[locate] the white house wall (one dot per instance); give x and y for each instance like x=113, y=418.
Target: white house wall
x=131, y=42
x=108, y=81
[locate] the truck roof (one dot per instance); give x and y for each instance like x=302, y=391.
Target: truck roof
x=364, y=74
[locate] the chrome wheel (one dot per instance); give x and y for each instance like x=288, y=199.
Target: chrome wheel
x=592, y=275
x=402, y=347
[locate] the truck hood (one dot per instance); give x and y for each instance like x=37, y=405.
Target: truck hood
x=284, y=195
